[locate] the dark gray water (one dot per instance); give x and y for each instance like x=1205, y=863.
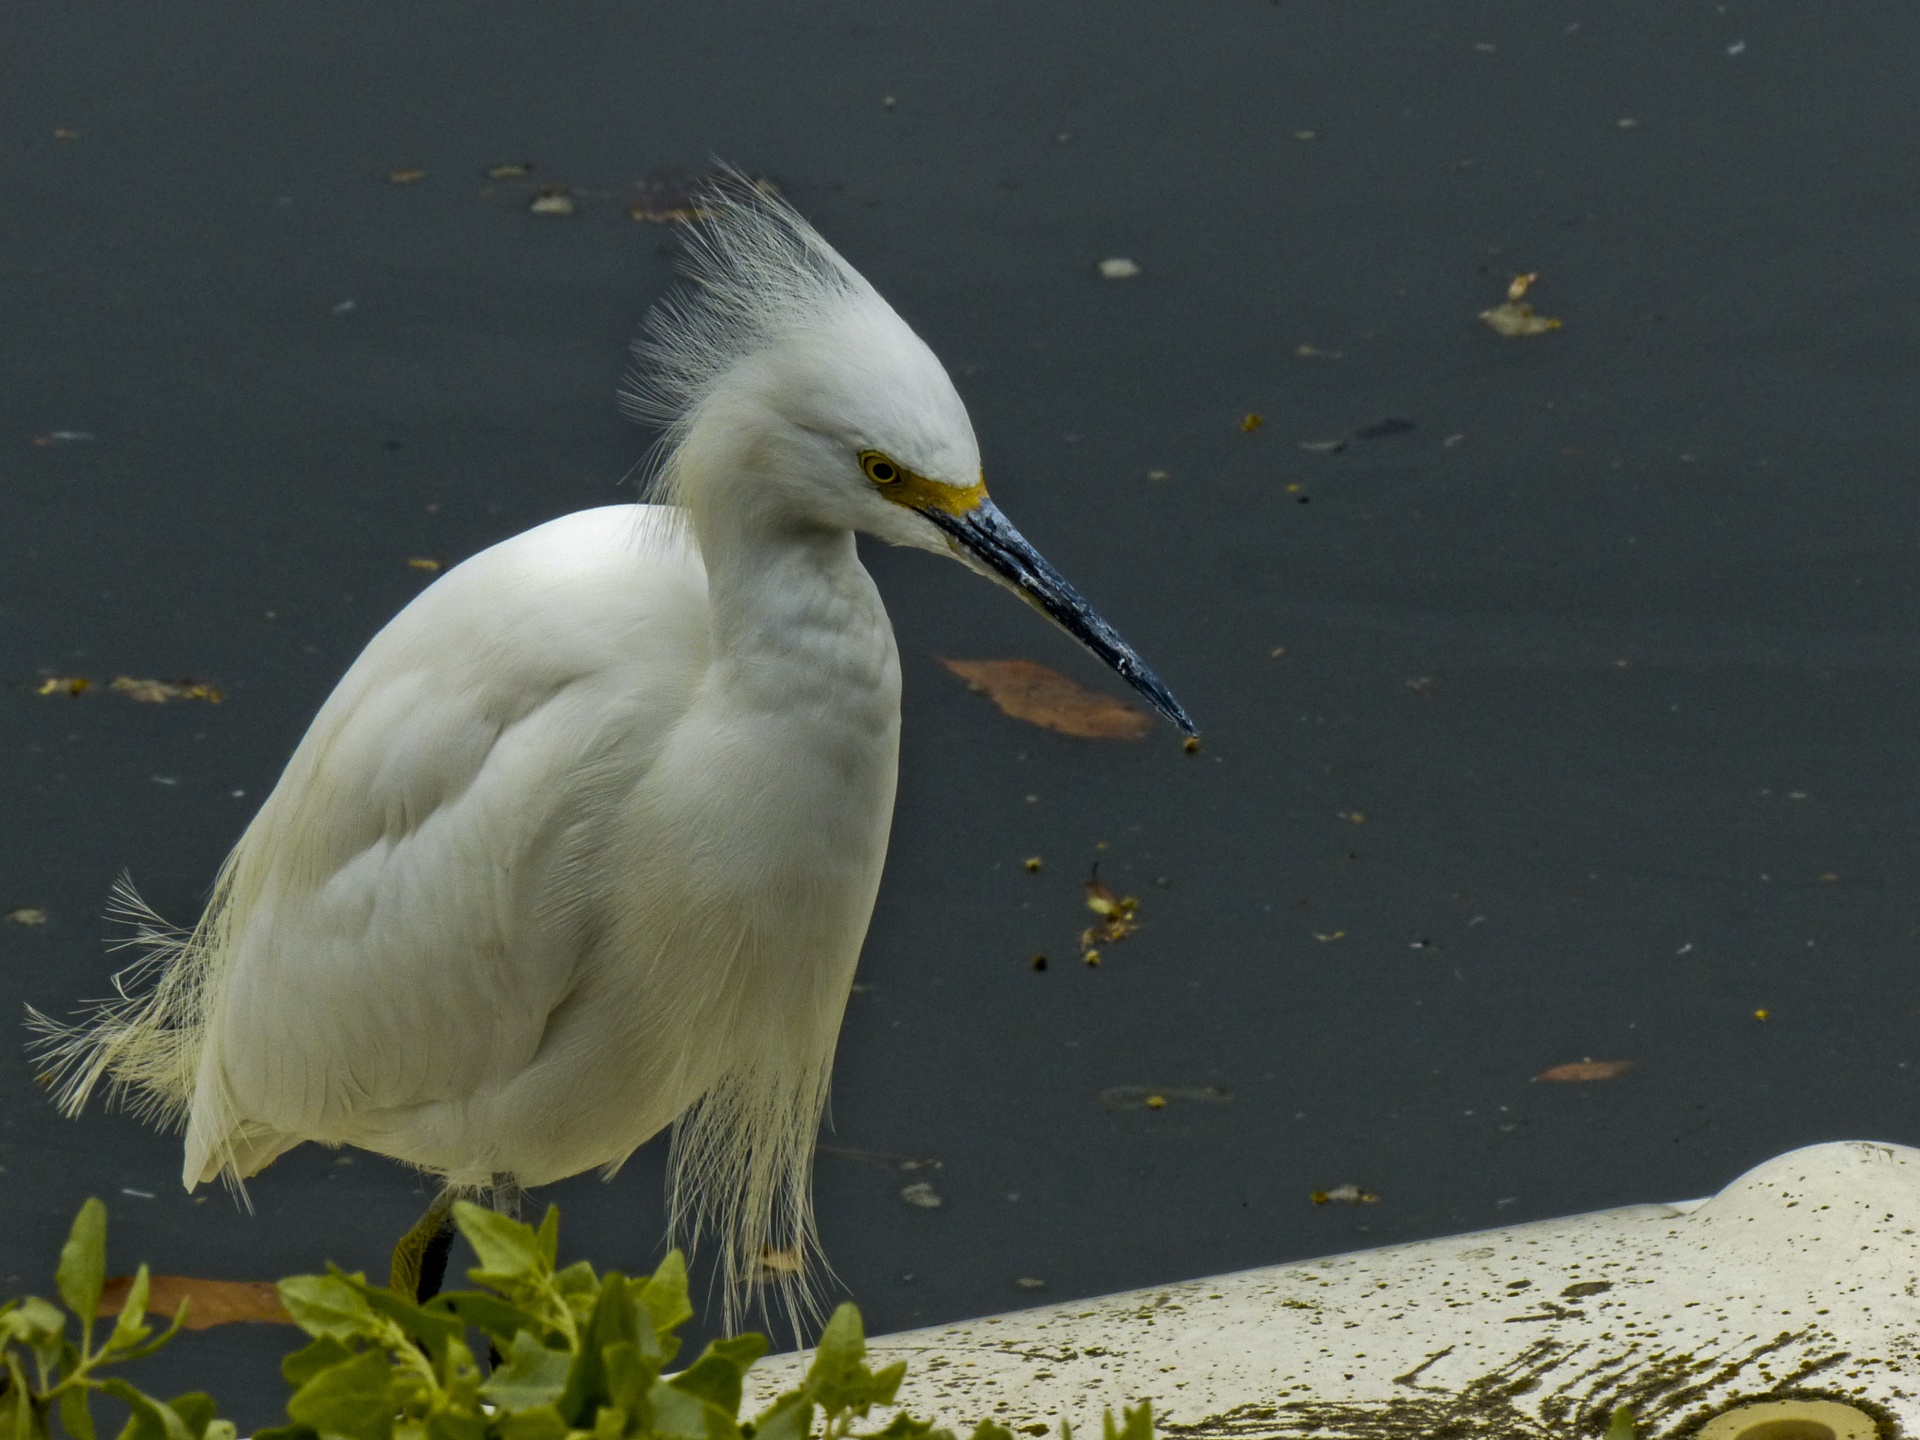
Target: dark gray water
x=1615, y=649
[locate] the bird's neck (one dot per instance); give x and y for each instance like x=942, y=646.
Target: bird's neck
x=794, y=613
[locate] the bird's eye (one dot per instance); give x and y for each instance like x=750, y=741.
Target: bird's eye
x=879, y=468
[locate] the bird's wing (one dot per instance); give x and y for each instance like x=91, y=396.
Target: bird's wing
x=391, y=934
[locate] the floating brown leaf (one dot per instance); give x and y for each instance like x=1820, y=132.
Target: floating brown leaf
x=1044, y=697
x=63, y=685
x=1582, y=1070
x=214, y=1302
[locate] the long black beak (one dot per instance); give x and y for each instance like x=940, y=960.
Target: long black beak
x=985, y=535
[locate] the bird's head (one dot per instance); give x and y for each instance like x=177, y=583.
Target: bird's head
x=795, y=396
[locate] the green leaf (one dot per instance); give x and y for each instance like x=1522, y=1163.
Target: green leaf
x=501, y=1319
x=679, y=1415
x=432, y=1327
x=129, y=1330
x=578, y=1286
x=630, y=1375
x=1136, y=1425
x=615, y=1321
x=717, y=1375
x=543, y=1422
x=548, y=1236
x=323, y=1354
x=76, y=1414
x=788, y=1418
x=985, y=1430
x=329, y=1305
x=906, y=1427
x=146, y=1348
x=195, y=1410
x=221, y=1430
x=151, y=1419
x=507, y=1249
x=286, y=1432
x=839, y=1378
x=665, y=1296
x=529, y=1377
x=447, y=1422
x=83, y=1262
x=1620, y=1426
x=354, y=1400
x=33, y=1321
x=17, y=1418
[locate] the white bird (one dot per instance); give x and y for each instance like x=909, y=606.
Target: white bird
x=585, y=843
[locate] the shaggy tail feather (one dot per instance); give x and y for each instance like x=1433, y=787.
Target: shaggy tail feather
x=742, y=1168
x=144, y=1041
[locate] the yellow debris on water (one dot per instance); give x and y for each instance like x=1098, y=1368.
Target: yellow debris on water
x=1514, y=317
x=1348, y=1194
x=1117, y=918
x=776, y=1263
x=1159, y=1097
x=159, y=692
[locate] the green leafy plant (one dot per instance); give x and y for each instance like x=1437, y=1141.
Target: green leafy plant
x=51, y=1369
x=575, y=1356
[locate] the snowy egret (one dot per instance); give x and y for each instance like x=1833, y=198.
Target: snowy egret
x=586, y=841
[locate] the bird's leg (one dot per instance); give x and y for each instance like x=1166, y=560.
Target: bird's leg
x=420, y=1259
x=505, y=1195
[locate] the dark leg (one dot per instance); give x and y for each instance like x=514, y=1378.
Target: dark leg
x=433, y=1262
x=420, y=1259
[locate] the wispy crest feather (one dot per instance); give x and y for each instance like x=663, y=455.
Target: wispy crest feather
x=759, y=272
